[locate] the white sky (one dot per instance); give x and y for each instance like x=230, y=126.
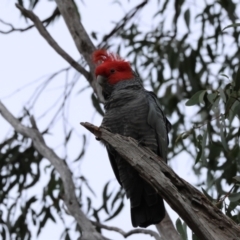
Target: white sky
x=25, y=57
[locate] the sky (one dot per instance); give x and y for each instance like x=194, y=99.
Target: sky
x=26, y=57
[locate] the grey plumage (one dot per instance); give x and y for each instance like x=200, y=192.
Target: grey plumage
x=133, y=111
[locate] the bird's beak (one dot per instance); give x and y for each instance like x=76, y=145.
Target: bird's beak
x=99, y=83
x=101, y=80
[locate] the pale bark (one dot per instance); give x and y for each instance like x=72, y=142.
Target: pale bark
x=206, y=220
x=165, y=228
x=88, y=230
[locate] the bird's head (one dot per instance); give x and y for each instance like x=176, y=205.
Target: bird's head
x=111, y=68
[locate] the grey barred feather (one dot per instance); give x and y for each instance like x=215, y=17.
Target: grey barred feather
x=133, y=111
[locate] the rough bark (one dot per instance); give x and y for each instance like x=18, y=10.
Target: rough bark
x=205, y=219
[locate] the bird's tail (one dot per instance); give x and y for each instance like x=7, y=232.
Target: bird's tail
x=151, y=209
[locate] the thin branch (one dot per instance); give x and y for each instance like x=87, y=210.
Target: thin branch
x=13, y=29
x=129, y=233
x=123, y=22
x=80, y=37
x=45, y=34
x=206, y=220
x=225, y=196
x=70, y=199
x=45, y=22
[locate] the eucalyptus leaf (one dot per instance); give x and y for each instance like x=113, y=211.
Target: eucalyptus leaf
x=233, y=197
x=237, y=178
x=196, y=98
x=231, y=25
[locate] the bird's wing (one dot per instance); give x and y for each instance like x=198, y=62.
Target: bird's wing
x=158, y=121
x=112, y=154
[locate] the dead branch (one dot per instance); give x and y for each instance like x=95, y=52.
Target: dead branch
x=70, y=199
x=206, y=220
x=45, y=34
x=167, y=229
x=129, y=233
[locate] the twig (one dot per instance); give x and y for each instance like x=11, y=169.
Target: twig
x=70, y=199
x=225, y=196
x=45, y=22
x=42, y=30
x=129, y=233
x=13, y=29
x=205, y=219
x=123, y=22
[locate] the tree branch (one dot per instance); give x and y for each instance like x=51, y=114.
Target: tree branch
x=80, y=37
x=205, y=219
x=122, y=23
x=76, y=29
x=45, y=34
x=13, y=29
x=45, y=22
x=167, y=229
x=70, y=199
x=129, y=233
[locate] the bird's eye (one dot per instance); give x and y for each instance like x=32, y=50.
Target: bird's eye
x=112, y=70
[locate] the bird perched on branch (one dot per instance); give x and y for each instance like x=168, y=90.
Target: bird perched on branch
x=134, y=112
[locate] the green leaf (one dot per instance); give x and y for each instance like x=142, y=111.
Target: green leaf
x=118, y=210
x=211, y=97
x=201, y=96
x=231, y=25
x=204, y=140
x=199, y=146
x=207, y=195
x=234, y=197
x=181, y=229
x=183, y=135
x=210, y=53
x=222, y=94
x=237, y=178
x=237, y=80
x=106, y=197
x=215, y=106
x=222, y=134
x=187, y=18
x=196, y=98
x=224, y=75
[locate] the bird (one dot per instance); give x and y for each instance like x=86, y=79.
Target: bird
x=132, y=111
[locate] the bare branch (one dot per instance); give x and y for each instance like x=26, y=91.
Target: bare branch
x=42, y=30
x=13, y=29
x=80, y=37
x=76, y=29
x=123, y=22
x=167, y=230
x=70, y=199
x=45, y=22
x=129, y=233
x=206, y=220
